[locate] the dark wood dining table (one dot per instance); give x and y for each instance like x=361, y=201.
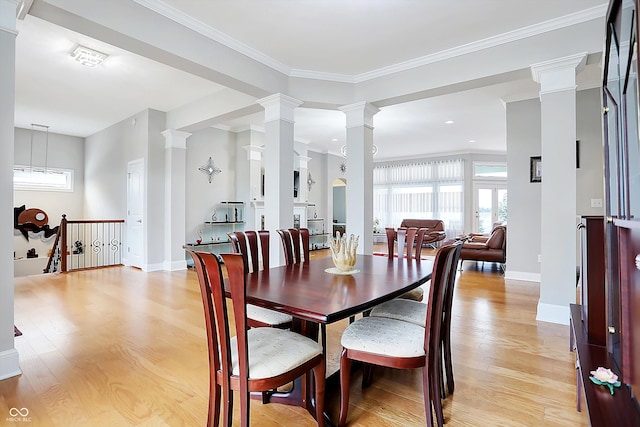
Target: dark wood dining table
x=316, y=297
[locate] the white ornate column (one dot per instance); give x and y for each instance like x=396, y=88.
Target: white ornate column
x=557, y=80
x=9, y=360
x=256, y=208
x=278, y=168
x=175, y=199
x=360, y=173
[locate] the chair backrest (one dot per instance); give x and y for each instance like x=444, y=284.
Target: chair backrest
x=209, y=270
x=448, y=292
x=443, y=268
x=295, y=243
x=253, y=246
x=498, y=238
x=406, y=239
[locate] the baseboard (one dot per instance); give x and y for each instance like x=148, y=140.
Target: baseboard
x=553, y=313
x=522, y=275
x=153, y=267
x=175, y=265
x=9, y=364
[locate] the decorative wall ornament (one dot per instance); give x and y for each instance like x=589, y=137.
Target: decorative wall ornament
x=209, y=169
x=343, y=167
x=310, y=181
x=32, y=220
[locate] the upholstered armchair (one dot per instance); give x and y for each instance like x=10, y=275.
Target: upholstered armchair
x=491, y=249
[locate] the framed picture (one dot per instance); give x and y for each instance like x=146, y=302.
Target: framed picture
x=535, y=174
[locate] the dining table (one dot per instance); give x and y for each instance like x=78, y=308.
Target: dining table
x=315, y=296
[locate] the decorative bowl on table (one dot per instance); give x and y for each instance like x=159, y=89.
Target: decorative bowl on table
x=343, y=253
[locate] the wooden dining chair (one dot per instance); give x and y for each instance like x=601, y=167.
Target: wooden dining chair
x=295, y=243
x=407, y=239
x=255, y=359
x=254, y=248
x=395, y=343
x=415, y=312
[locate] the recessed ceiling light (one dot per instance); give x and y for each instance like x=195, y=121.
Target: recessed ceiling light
x=472, y=140
x=335, y=140
x=449, y=122
x=88, y=57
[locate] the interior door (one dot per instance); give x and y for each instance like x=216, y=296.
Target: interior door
x=490, y=204
x=135, y=198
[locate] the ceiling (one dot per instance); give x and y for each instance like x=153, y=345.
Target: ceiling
x=333, y=39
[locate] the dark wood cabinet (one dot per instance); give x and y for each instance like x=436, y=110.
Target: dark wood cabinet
x=609, y=329
x=592, y=278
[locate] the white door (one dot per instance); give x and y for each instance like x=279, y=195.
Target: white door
x=135, y=199
x=490, y=206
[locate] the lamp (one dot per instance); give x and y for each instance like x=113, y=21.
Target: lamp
x=87, y=56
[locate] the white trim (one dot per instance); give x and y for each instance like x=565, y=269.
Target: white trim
x=553, y=313
x=180, y=17
x=153, y=267
x=9, y=364
x=522, y=275
x=175, y=265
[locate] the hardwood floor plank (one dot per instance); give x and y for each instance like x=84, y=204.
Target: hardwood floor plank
x=120, y=347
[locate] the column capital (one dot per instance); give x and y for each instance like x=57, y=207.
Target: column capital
x=175, y=138
x=279, y=107
x=558, y=74
x=359, y=114
x=254, y=152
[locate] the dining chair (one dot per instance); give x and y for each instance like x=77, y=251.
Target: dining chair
x=254, y=248
x=295, y=243
x=255, y=359
x=394, y=343
x=415, y=312
x=407, y=238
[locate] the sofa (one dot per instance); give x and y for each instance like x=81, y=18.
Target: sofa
x=492, y=248
x=434, y=233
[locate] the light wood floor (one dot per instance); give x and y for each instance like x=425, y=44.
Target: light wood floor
x=119, y=347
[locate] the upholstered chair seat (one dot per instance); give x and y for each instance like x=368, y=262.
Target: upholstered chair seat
x=402, y=309
x=384, y=336
x=273, y=352
x=268, y=317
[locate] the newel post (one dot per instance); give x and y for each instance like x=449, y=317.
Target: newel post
x=63, y=244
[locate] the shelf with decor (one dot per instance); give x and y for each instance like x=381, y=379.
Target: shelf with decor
x=317, y=235
x=227, y=218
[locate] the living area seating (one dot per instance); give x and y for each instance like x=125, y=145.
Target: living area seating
x=433, y=234
x=491, y=249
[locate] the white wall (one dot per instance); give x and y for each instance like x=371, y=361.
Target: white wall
x=202, y=197
x=523, y=142
x=65, y=152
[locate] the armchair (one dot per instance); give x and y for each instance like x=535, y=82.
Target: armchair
x=490, y=249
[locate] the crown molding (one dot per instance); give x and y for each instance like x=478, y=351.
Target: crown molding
x=178, y=16
x=201, y=28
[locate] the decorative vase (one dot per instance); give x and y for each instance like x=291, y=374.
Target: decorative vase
x=343, y=251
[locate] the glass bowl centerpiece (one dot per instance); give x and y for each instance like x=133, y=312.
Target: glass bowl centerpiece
x=343, y=251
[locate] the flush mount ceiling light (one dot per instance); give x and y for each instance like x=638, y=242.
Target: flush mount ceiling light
x=88, y=57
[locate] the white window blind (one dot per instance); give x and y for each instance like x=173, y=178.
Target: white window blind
x=426, y=190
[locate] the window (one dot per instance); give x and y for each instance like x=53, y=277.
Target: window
x=41, y=179
x=422, y=191
x=488, y=170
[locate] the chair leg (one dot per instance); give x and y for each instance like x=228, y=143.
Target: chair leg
x=244, y=409
x=436, y=396
x=426, y=385
x=345, y=382
x=227, y=411
x=213, y=418
x=319, y=372
x=367, y=374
